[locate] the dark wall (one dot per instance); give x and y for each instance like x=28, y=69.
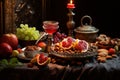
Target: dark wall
x=105, y=14
x=29, y=12
x=1, y=18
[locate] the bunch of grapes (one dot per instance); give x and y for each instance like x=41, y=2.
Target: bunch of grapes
x=59, y=37
x=24, y=32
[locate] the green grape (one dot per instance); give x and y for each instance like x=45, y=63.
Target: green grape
x=31, y=38
x=26, y=26
x=35, y=36
x=21, y=25
x=33, y=28
x=37, y=33
x=30, y=33
x=26, y=37
x=18, y=29
x=19, y=36
x=27, y=33
x=22, y=36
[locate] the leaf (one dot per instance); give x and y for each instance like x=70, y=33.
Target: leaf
x=13, y=61
x=4, y=61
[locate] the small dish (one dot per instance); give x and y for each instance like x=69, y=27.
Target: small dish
x=23, y=57
x=31, y=54
x=28, y=55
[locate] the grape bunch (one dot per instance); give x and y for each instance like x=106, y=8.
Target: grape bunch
x=25, y=32
x=59, y=37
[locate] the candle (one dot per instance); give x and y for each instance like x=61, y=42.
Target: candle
x=70, y=5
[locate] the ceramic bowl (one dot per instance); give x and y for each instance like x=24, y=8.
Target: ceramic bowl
x=31, y=53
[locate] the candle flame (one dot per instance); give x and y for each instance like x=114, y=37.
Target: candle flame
x=71, y=1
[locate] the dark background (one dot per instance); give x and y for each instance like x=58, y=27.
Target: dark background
x=105, y=14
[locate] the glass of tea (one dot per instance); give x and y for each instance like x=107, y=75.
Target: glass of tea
x=50, y=27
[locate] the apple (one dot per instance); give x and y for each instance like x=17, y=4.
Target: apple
x=5, y=50
x=11, y=39
x=19, y=50
x=42, y=45
x=111, y=51
x=15, y=53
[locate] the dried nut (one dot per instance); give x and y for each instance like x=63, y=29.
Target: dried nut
x=102, y=54
x=114, y=55
x=102, y=59
x=72, y=52
x=102, y=50
x=30, y=65
x=57, y=48
x=109, y=57
x=53, y=61
x=98, y=56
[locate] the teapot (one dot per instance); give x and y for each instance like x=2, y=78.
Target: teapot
x=86, y=31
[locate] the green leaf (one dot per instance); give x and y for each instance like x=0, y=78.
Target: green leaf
x=4, y=61
x=13, y=61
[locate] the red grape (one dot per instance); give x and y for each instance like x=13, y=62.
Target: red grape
x=58, y=37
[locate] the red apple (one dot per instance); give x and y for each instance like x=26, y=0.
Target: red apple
x=111, y=51
x=11, y=39
x=5, y=50
x=42, y=45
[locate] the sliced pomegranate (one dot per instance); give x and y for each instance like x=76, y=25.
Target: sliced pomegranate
x=66, y=43
x=43, y=60
x=81, y=45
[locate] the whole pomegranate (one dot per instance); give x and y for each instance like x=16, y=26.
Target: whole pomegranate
x=5, y=50
x=11, y=39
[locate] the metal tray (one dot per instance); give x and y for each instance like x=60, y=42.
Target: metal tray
x=90, y=53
